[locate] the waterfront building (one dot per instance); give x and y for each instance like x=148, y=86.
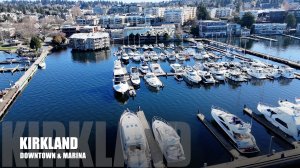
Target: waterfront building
x=69, y=30
x=168, y=29
x=298, y=29
x=233, y=29
x=121, y=21
x=89, y=41
x=245, y=32
x=269, y=28
x=210, y=28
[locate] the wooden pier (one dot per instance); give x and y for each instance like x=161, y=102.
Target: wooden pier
x=12, y=93
x=261, y=119
x=229, y=147
x=156, y=154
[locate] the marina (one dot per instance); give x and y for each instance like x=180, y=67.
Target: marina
x=177, y=101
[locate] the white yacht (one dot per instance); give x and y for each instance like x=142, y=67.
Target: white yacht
x=297, y=100
x=154, y=56
x=136, y=57
x=191, y=75
x=177, y=68
x=168, y=140
x=256, y=72
x=286, y=103
x=162, y=56
x=120, y=84
x=156, y=69
x=235, y=76
x=42, y=65
x=237, y=130
x=171, y=57
x=273, y=72
x=125, y=57
x=206, y=77
x=134, y=143
x=135, y=76
x=144, y=68
x=287, y=72
x=152, y=80
x=285, y=118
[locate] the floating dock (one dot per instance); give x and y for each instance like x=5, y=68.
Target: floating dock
x=156, y=154
x=279, y=158
x=14, y=69
x=258, y=54
x=12, y=93
x=261, y=119
x=294, y=37
x=15, y=61
x=250, y=38
x=264, y=38
x=229, y=147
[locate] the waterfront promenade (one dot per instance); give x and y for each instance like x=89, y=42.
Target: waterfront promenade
x=12, y=92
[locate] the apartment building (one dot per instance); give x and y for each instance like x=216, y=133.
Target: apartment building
x=89, y=41
x=210, y=28
x=269, y=28
x=179, y=15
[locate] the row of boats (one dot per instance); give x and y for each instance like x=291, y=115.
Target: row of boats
x=135, y=145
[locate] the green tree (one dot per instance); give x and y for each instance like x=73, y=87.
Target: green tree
x=290, y=20
x=166, y=36
x=202, y=13
x=195, y=30
x=247, y=20
x=35, y=43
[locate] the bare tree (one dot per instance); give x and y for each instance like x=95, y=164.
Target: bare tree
x=75, y=11
x=27, y=28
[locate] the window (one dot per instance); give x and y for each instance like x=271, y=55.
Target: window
x=281, y=122
x=225, y=126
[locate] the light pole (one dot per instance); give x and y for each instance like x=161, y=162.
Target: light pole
x=271, y=139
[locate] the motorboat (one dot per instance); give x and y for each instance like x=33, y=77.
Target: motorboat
x=120, y=84
x=237, y=130
x=156, y=69
x=136, y=56
x=272, y=72
x=125, y=57
x=198, y=56
x=177, y=68
x=285, y=118
x=42, y=65
x=204, y=54
x=152, y=80
x=154, y=56
x=235, y=76
x=180, y=57
x=258, y=73
x=162, y=56
x=287, y=72
x=191, y=75
x=171, y=57
x=135, y=76
x=161, y=45
x=207, y=77
x=286, y=103
x=168, y=140
x=134, y=143
x=144, y=68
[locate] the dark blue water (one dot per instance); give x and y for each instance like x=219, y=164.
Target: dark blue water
x=78, y=87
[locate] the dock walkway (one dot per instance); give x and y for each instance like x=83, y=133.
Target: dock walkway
x=264, y=38
x=229, y=147
x=294, y=37
x=156, y=155
x=261, y=119
x=13, y=92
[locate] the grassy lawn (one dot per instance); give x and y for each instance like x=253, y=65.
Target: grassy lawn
x=7, y=48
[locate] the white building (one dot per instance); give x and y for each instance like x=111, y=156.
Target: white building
x=179, y=15
x=155, y=11
x=89, y=41
x=210, y=28
x=151, y=30
x=269, y=28
x=222, y=12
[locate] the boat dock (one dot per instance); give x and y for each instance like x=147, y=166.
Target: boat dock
x=258, y=54
x=15, y=61
x=156, y=154
x=276, y=159
x=261, y=119
x=229, y=147
x=12, y=93
x=250, y=38
x=263, y=38
x=294, y=37
x=14, y=69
